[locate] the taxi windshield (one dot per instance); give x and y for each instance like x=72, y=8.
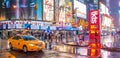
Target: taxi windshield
x=29, y=38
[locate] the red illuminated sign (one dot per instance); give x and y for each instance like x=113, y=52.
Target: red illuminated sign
x=94, y=27
x=94, y=24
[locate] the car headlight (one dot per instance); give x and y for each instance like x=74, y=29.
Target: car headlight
x=31, y=44
x=43, y=43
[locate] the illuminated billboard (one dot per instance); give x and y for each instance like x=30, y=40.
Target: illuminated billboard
x=65, y=10
x=62, y=10
x=48, y=10
x=39, y=10
x=104, y=9
x=94, y=25
x=80, y=9
x=106, y=22
x=69, y=10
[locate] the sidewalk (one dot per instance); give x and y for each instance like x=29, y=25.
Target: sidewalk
x=3, y=45
x=82, y=44
x=112, y=49
x=72, y=49
x=64, y=55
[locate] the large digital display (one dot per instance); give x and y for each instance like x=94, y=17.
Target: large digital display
x=69, y=10
x=65, y=10
x=80, y=9
x=39, y=9
x=103, y=9
x=48, y=10
x=36, y=25
x=62, y=10
x=11, y=25
x=19, y=24
x=107, y=21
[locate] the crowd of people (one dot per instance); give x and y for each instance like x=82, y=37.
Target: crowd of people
x=51, y=37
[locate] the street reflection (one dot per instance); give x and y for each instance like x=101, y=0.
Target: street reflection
x=21, y=54
x=110, y=54
x=72, y=51
x=40, y=54
x=52, y=54
x=105, y=54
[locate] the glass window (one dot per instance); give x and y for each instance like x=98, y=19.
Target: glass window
x=29, y=38
x=18, y=37
x=15, y=37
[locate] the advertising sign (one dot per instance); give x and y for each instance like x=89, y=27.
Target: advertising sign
x=104, y=9
x=5, y=25
x=19, y=24
x=68, y=10
x=106, y=22
x=48, y=10
x=27, y=25
x=45, y=25
x=94, y=33
x=94, y=25
x=62, y=10
x=35, y=24
x=39, y=9
x=11, y=25
x=80, y=9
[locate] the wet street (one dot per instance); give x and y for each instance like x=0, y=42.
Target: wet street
x=112, y=49
x=54, y=54
x=61, y=52
x=110, y=54
x=40, y=54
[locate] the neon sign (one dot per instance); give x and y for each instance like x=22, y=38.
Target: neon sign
x=94, y=17
x=94, y=24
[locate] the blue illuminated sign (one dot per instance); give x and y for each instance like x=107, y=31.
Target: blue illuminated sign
x=39, y=9
x=27, y=26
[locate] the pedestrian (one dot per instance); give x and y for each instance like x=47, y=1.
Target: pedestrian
x=61, y=35
x=43, y=35
x=83, y=37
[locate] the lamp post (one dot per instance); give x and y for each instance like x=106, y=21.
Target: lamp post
x=76, y=15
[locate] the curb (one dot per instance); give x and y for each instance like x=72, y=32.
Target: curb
x=76, y=45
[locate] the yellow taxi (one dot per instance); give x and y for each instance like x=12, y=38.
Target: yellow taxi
x=26, y=43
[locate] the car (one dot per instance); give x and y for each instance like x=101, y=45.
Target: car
x=26, y=43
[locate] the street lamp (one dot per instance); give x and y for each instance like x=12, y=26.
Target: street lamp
x=14, y=6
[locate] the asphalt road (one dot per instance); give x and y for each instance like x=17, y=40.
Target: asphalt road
x=39, y=54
